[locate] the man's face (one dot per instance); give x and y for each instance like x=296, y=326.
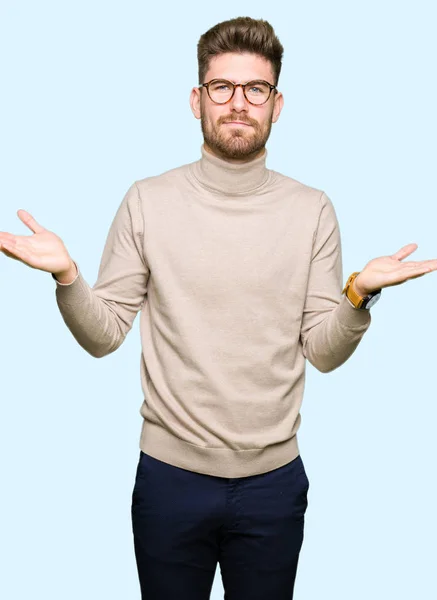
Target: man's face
x=236, y=142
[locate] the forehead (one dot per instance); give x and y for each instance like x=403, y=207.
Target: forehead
x=238, y=67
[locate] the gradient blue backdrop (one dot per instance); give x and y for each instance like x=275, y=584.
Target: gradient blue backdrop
x=87, y=108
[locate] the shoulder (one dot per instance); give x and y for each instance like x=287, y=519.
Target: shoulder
x=298, y=192
x=169, y=179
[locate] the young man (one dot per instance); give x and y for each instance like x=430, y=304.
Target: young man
x=237, y=272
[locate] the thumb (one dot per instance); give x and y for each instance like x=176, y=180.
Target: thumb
x=404, y=251
x=30, y=221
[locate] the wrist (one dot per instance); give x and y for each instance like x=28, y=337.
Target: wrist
x=358, y=289
x=68, y=276
x=358, y=296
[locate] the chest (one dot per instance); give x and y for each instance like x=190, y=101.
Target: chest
x=214, y=253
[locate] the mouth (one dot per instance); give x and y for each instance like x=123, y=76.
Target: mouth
x=237, y=123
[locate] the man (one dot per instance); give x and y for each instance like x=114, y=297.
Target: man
x=237, y=272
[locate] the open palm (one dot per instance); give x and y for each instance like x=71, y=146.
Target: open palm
x=387, y=271
x=43, y=250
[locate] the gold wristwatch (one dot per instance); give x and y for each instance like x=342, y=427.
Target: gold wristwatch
x=364, y=302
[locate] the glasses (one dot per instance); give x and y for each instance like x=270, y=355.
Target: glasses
x=222, y=91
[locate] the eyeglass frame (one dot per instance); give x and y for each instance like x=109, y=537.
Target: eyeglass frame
x=243, y=87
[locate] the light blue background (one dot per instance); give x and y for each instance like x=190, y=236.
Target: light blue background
x=86, y=110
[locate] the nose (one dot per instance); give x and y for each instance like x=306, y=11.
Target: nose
x=238, y=101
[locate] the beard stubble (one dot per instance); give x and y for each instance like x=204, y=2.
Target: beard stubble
x=235, y=142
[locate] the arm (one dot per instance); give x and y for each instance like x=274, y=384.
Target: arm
x=331, y=327
x=100, y=317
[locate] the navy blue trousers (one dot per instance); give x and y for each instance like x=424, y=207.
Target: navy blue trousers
x=184, y=523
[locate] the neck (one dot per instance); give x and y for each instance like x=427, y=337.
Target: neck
x=231, y=178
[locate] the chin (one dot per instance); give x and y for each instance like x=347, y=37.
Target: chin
x=238, y=151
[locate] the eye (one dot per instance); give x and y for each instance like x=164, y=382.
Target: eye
x=257, y=88
x=220, y=86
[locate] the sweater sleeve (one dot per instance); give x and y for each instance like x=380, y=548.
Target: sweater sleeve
x=331, y=326
x=100, y=317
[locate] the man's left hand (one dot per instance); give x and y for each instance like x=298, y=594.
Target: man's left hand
x=386, y=271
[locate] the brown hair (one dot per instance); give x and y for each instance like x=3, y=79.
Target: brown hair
x=242, y=34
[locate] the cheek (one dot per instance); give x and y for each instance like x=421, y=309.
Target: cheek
x=207, y=114
x=214, y=116
x=267, y=118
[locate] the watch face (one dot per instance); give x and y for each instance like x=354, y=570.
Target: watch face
x=373, y=300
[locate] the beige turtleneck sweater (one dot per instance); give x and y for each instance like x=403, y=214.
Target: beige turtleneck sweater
x=237, y=272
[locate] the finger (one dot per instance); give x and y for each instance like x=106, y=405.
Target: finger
x=17, y=251
x=421, y=264
x=404, y=273
x=6, y=237
x=421, y=274
x=430, y=264
x=4, y=248
x=30, y=221
x=417, y=272
x=404, y=251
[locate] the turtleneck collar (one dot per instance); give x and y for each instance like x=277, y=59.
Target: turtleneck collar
x=235, y=179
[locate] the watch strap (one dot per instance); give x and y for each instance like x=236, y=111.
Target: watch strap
x=356, y=300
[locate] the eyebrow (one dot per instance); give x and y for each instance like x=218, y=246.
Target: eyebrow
x=233, y=80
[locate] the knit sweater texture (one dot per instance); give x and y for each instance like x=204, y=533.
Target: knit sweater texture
x=236, y=271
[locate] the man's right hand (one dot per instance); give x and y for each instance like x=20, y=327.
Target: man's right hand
x=43, y=250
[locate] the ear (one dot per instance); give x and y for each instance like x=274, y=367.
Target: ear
x=279, y=103
x=195, y=102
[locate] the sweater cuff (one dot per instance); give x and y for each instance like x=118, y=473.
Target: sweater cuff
x=352, y=317
x=74, y=292
x=71, y=282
